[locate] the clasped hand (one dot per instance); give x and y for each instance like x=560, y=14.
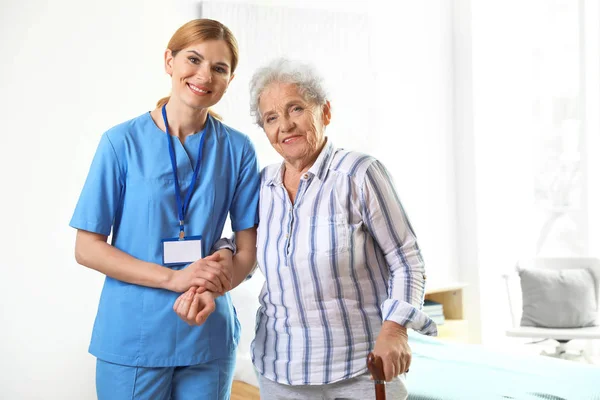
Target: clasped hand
x=193, y=307
x=207, y=279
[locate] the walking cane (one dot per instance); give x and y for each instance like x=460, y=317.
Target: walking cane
x=375, y=366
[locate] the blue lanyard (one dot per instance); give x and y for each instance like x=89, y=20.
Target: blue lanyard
x=183, y=208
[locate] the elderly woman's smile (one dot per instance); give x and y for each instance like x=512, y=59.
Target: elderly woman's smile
x=291, y=139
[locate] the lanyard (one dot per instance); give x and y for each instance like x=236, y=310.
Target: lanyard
x=182, y=208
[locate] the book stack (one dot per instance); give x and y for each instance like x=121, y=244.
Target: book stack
x=435, y=311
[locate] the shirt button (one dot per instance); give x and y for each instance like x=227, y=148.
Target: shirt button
x=424, y=276
x=305, y=176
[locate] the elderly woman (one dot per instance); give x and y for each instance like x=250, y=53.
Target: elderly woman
x=344, y=274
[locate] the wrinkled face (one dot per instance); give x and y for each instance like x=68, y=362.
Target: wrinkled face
x=295, y=127
x=200, y=73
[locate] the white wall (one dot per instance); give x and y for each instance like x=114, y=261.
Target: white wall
x=413, y=47
x=73, y=69
x=503, y=152
x=465, y=167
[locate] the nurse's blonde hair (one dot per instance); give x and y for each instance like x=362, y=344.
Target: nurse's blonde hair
x=201, y=30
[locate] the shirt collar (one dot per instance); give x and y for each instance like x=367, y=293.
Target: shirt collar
x=318, y=169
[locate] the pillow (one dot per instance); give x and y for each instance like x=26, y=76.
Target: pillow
x=554, y=298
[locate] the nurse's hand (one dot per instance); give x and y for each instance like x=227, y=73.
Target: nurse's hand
x=208, y=273
x=194, y=308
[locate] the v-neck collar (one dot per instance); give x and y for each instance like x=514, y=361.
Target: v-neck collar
x=190, y=141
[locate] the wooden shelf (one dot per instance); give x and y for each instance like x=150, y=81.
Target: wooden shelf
x=442, y=288
x=455, y=328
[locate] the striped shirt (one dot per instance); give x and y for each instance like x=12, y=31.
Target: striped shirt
x=337, y=262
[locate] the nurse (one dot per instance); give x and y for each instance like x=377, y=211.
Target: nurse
x=163, y=183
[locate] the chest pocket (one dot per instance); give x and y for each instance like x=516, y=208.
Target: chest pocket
x=329, y=234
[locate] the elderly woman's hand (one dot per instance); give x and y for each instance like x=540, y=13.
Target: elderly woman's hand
x=392, y=347
x=194, y=308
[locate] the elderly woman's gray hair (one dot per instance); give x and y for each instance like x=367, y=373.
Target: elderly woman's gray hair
x=281, y=70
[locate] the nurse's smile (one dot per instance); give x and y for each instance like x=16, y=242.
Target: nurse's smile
x=199, y=90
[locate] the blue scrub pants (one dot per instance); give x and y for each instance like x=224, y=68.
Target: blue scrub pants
x=209, y=381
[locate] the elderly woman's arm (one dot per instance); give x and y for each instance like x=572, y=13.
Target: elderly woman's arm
x=244, y=260
x=388, y=224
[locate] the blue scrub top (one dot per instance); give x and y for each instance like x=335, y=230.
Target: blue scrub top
x=130, y=189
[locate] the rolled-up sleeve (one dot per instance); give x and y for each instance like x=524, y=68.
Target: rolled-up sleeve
x=388, y=224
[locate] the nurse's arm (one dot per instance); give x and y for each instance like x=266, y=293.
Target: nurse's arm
x=92, y=251
x=244, y=259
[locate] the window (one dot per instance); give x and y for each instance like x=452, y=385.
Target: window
x=557, y=128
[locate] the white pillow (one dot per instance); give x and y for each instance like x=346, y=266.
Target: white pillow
x=558, y=298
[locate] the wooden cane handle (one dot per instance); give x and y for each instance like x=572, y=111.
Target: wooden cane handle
x=375, y=366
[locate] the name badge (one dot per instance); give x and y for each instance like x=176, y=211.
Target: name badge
x=182, y=251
